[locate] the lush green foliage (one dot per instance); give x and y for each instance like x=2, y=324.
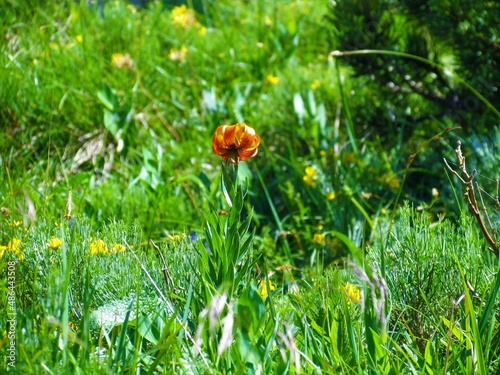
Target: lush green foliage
x=345, y=246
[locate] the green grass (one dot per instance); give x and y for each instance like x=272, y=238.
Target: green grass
x=322, y=255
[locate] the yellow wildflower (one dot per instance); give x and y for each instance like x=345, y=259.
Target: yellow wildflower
x=264, y=290
x=178, y=54
x=98, y=247
x=73, y=326
x=202, y=30
x=330, y=195
x=349, y=158
x=118, y=248
x=316, y=84
x=391, y=180
x=176, y=237
x=311, y=176
x=14, y=247
x=268, y=21
x=121, y=61
x=55, y=243
x=319, y=238
x=272, y=80
x=184, y=17
x=352, y=292
x=79, y=38
x=15, y=224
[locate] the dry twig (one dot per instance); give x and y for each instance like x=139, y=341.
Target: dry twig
x=470, y=194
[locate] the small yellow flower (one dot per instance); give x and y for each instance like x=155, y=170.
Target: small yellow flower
x=316, y=84
x=73, y=326
x=319, y=238
x=177, y=237
x=349, y=158
x=272, y=80
x=202, y=30
x=330, y=195
x=268, y=21
x=118, y=248
x=79, y=39
x=55, y=243
x=176, y=54
x=121, y=61
x=98, y=247
x=391, y=180
x=183, y=16
x=311, y=176
x=15, y=224
x=14, y=245
x=352, y=292
x=263, y=290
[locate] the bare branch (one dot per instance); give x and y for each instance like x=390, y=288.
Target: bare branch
x=470, y=194
x=455, y=172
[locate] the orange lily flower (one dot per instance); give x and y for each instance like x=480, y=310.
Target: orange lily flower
x=235, y=142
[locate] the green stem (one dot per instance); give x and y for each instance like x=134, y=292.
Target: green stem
x=277, y=219
x=229, y=182
x=421, y=59
x=350, y=124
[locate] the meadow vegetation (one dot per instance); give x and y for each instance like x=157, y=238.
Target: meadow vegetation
x=346, y=245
